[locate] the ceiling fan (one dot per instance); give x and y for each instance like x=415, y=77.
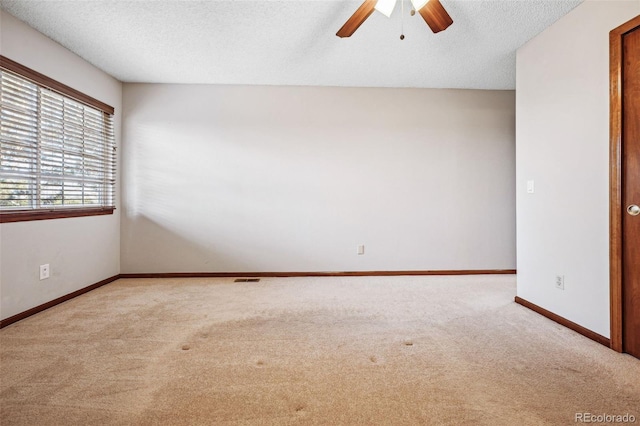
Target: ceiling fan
x=431, y=11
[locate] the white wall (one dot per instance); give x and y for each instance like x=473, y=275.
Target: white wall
x=562, y=143
x=235, y=178
x=81, y=251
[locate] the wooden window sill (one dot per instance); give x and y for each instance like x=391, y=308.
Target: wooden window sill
x=27, y=215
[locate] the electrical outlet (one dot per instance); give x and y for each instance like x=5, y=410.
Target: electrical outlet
x=44, y=271
x=560, y=282
x=361, y=249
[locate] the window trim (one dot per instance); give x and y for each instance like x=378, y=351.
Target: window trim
x=49, y=83
x=54, y=85
x=60, y=213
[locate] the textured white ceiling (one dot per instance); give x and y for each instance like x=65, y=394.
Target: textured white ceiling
x=293, y=42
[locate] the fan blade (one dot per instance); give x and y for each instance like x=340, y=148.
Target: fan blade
x=358, y=17
x=435, y=16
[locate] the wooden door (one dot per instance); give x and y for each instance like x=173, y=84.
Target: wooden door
x=625, y=187
x=631, y=192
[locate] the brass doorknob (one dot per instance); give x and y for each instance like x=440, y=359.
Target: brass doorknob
x=633, y=210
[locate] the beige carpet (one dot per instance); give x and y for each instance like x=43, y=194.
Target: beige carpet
x=383, y=350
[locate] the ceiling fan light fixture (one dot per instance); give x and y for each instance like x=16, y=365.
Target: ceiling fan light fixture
x=419, y=4
x=432, y=11
x=386, y=7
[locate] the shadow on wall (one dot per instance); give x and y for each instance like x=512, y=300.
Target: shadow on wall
x=157, y=247
x=160, y=249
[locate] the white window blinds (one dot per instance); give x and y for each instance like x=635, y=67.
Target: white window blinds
x=55, y=152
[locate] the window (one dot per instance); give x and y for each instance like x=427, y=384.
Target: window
x=57, y=149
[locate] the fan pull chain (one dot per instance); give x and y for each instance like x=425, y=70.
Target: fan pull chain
x=402, y=21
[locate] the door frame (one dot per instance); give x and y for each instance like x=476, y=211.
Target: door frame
x=615, y=179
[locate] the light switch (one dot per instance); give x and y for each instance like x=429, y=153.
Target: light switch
x=530, y=187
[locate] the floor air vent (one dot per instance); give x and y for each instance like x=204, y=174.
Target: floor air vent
x=246, y=280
